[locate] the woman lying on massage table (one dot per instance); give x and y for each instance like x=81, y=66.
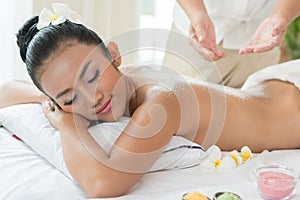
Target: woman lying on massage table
x=71, y=65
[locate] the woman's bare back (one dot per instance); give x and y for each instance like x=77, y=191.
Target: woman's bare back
x=264, y=117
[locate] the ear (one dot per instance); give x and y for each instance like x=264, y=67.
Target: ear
x=114, y=52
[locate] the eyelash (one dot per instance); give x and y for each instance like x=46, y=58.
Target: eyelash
x=95, y=77
x=71, y=101
x=75, y=97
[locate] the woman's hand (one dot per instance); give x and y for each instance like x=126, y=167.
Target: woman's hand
x=203, y=38
x=268, y=35
x=59, y=118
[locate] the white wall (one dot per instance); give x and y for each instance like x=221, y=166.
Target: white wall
x=109, y=18
x=12, y=15
x=106, y=17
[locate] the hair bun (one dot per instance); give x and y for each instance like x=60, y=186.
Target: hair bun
x=25, y=35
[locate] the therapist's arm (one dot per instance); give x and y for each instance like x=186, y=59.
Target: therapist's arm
x=201, y=32
x=271, y=31
x=289, y=9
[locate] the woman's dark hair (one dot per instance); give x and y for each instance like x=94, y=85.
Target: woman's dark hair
x=36, y=46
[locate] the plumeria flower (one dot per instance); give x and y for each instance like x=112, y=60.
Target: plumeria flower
x=246, y=153
x=214, y=161
x=75, y=17
x=61, y=13
x=236, y=156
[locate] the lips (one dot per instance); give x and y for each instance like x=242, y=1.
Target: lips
x=105, y=108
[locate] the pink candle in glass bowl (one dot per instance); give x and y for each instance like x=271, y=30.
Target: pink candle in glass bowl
x=276, y=182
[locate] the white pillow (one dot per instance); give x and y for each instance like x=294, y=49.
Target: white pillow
x=26, y=175
x=29, y=123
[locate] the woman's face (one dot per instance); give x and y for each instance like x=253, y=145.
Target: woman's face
x=83, y=81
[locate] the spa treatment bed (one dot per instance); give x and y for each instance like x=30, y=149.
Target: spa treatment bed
x=27, y=175
x=32, y=165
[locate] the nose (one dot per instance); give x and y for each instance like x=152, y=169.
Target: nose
x=93, y=97
x=97, y=98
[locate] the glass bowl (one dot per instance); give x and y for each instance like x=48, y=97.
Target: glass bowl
x=276, y=182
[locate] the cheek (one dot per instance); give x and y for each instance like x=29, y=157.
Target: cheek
x=110, y=79
x=67, y=109
x=76, y=109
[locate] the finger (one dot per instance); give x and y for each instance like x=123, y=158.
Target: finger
x=206, y=53
x=200, y=32
x=46, y=106
x=217, y=57
x=277, y=30
x=192, y=33
x=263, y=48
x=207, y=43
x=54, y=106
x=221, y=54
x=248, y=49
x=49, y=106
x=212, y=54
x=199, y=35
x=216, y=54
x=203, y=38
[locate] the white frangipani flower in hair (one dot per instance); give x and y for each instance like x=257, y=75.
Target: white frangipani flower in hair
x=61, y=13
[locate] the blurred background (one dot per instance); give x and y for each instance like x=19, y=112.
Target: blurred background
x=108, y=18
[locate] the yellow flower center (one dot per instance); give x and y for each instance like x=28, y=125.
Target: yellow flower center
x=246, y=156
x=54, y=17
x=217, y=163
x=235, y=158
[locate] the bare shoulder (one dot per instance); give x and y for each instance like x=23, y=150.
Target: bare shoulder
x=157, y=94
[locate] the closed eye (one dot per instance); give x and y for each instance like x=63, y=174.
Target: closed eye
x=67, y=103
x=95, y=76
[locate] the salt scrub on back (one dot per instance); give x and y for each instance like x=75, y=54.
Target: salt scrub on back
x=172, y=80
x=242, y=94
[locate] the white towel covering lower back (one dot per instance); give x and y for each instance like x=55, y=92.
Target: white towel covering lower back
x=288, y=71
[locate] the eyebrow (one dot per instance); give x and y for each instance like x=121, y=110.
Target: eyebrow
x=85, y=67
x=83, y=71
x=63, y=93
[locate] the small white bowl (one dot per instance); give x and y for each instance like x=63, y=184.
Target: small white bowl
x=276, y=182
x=230, y=195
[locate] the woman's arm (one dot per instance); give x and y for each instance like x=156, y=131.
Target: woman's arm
x=18, y=92
x=139, y=146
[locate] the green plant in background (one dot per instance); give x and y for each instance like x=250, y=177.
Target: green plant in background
x=292, y=39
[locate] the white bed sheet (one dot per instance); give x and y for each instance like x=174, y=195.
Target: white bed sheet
x=171, y=185
x=26, y=175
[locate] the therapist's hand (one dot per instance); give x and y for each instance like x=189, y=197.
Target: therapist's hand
x=268, y=35
x=203, y=38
